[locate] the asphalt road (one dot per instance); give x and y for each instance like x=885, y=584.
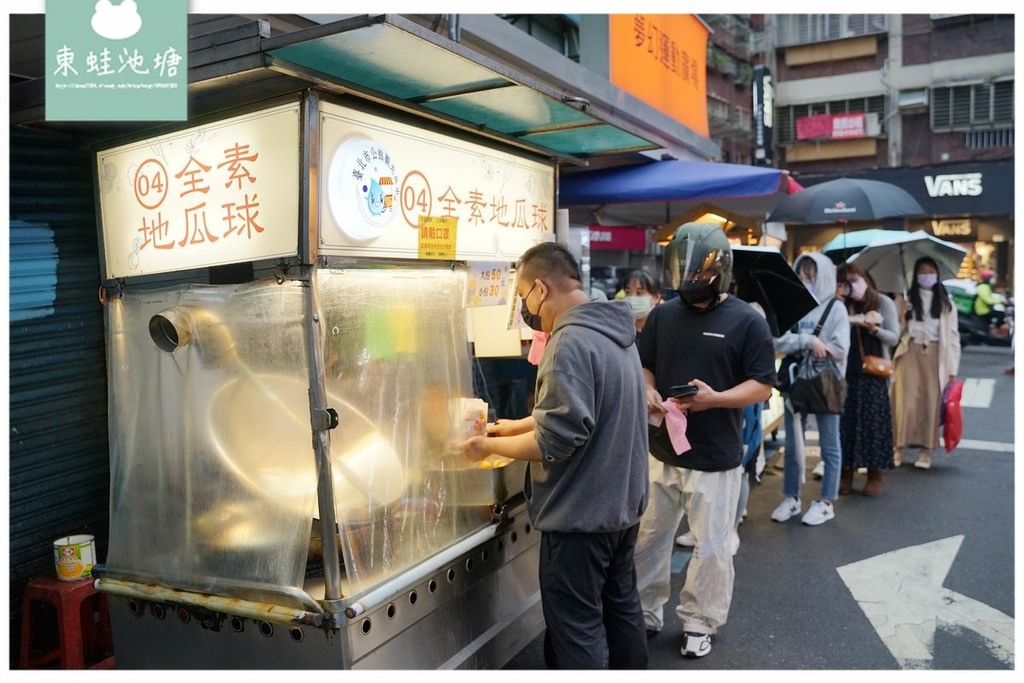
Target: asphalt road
x=931, y=559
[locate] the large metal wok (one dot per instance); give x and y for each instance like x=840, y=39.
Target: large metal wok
x=260, y=427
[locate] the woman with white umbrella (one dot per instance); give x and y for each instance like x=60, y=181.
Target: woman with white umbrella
x=926, y=359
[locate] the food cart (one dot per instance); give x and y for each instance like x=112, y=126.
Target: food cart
x=293, y=295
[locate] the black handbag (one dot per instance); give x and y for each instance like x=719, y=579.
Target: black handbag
x=817, y=384
x=820, y=387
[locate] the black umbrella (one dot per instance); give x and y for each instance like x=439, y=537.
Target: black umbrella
x=846, y=200
x=763, y=276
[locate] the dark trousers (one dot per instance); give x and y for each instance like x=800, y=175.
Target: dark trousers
x=590, y=601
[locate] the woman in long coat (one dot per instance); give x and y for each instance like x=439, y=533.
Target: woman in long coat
x=926, y=360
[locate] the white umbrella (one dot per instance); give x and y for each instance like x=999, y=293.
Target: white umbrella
x=889, y=259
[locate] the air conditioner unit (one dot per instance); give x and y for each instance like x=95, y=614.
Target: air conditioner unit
x=913, y=99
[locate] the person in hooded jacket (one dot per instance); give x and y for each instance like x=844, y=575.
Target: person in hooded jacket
x=586, y=444
x=818, y=274
x=718, y=343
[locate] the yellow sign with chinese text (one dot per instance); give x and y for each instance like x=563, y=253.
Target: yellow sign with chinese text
x=662, y=60
x=437, y=237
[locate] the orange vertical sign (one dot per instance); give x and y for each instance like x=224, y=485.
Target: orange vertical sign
x=662, y=60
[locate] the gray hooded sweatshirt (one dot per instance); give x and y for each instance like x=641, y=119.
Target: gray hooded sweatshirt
x=591, y=417
x=835, y=333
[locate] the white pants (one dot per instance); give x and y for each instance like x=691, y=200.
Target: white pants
x=709, y=500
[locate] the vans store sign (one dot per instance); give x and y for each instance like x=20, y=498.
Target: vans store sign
x=954, y=185
x=116, y=60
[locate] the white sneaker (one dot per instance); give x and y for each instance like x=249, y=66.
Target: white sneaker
x=787, y=508
x=695, y=644
x=820, y=512
x=819, y=470
x=686, y=540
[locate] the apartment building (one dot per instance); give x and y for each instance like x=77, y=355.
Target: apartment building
x=923, y=101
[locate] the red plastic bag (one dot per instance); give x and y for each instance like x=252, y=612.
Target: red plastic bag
x=952, y=417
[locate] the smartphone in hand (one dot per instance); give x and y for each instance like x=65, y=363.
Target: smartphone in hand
x=682, y=391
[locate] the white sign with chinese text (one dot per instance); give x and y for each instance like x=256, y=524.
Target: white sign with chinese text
x=227, y=192
x=848, y=126
x=382, y=182
x=489, y=283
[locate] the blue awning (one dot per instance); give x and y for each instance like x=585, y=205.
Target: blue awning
x=656, y=193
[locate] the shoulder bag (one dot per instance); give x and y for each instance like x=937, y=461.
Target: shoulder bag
x=818, y=385
x=876, y=366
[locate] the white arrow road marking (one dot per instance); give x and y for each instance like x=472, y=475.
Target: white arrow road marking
x=977, y=393
x=902, y=596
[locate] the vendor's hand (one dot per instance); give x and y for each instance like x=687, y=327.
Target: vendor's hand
x=705, y=398
x=654, y=401
x=819, y=349
x=475, y=448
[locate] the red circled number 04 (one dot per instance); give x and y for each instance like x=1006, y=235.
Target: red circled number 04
x=416, y=198
x=150, y=184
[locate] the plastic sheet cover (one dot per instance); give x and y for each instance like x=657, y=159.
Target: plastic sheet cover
x=213, y=471
x=396, y=361
x=212, y=466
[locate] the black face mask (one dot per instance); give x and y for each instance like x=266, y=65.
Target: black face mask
x=532, y=320
x=694, y=299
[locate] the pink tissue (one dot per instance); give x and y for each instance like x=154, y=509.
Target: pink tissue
x=675, y=423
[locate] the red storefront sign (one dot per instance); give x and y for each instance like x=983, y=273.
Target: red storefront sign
x=628, y=238
x=830, y=126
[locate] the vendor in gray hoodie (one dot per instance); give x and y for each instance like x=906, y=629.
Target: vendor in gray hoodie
x=818, y=274
x=586, y=443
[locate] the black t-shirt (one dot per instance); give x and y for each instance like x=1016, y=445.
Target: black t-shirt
x=723, y=347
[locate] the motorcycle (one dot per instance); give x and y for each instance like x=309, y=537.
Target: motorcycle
x=975, y=329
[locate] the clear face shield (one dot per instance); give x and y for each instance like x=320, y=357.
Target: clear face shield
x=698, y=269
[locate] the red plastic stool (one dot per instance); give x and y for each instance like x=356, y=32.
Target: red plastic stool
x=83, y=624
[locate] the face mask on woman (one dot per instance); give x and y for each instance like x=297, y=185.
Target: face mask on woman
x=640, y=304
x=858, y=287
x=927, y=280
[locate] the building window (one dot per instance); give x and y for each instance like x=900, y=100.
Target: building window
x=989, y=139
x=803, y=29
x=968, y=107
x=717, y=109
x=785, y=117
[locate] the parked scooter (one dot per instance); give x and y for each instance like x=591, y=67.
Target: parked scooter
x=975, y=329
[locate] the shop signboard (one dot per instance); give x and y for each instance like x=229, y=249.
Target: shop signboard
x=831, y=127
x=625, y=238
x=951, y=190
x=955, y=229
x=661, y=59
x=392, y=190
x=764, y=107
x=225, y=192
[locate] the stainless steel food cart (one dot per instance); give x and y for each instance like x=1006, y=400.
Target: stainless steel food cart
x=284, y=488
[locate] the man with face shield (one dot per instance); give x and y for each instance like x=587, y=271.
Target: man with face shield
x=719, y=344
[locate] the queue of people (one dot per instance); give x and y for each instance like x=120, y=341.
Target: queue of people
x=639, y=423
